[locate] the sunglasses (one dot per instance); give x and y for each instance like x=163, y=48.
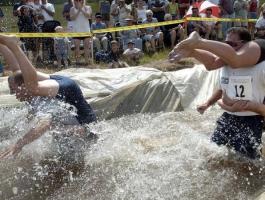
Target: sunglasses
x=233, y=44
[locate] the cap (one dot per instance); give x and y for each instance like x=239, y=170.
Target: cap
x=114, y=42
x=98, y=15
x=129, y=18
x=130, y=42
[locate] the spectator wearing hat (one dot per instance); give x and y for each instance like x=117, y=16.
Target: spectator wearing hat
x=152, y=36
x=99, y=39
x=132, y=55
x=133, y=34
x=112, y=58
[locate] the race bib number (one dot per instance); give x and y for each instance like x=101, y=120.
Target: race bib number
x=240, y=87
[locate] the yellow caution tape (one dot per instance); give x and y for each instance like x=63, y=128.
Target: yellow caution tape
x=48, y=35
x=220, y=19
x=123, y=28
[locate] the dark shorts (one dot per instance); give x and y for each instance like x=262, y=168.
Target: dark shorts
x=80, y=38
x=241, y=133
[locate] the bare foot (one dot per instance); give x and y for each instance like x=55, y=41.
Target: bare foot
x=9, y=39
x=191, y=42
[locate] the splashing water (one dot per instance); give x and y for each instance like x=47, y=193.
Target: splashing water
x=141, y=156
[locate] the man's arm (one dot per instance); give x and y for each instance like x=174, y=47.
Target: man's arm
x=213, y=99
x=42, y=126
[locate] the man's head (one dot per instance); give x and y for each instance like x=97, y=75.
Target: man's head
x=149, y=15
x=195, y=12
x=17, y=87
x=208, y=12
x=130, y=44
x=236, y=37
x=114, y=46
x=98, y=17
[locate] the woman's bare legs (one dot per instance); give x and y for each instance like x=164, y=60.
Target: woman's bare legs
x=10, y=58
x=28, y=71
x=77, y=50
x=87, y=50
x=247, y=56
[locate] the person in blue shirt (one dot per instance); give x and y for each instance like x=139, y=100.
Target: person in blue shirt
x=27, y=84
x=99, y=38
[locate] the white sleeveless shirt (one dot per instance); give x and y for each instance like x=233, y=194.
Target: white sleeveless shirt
x=244, y=83
x=81, y=23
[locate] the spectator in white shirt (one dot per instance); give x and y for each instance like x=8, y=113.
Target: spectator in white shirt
x=132, y=55
x=47, y=10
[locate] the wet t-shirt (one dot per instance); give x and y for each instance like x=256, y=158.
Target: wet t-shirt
x=70, y=93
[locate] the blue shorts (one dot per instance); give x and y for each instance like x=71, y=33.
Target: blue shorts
x=241, y=133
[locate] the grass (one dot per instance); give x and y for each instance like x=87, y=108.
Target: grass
x=10, y=25
x=10, y=22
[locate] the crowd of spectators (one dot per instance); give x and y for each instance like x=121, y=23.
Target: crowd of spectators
x=129, y=44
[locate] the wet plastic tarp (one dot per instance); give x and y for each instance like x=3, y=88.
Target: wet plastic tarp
x=116, y=92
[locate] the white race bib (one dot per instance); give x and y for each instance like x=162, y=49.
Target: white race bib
x=240, y=87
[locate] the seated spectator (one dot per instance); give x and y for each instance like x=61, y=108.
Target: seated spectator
x=61, y=48
x=112, y=58
x=183, y=7
x=213, y=29
x=172, y=32
x=133, y=34
x=173, y=9
x=260, y=26
x=197, y=26
x=132, y=55
x=140, y=14
x=99, y=38
x=153, y=36
x=159, y=8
